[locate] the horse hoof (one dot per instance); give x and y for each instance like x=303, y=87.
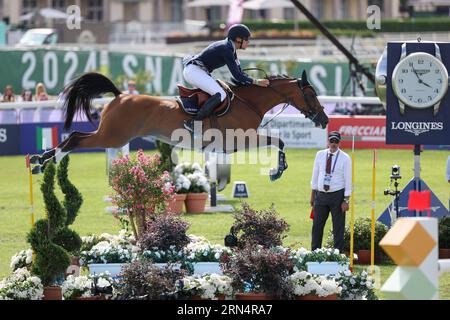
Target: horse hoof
x=35, y=159
x=276, y=175
x=36, y=170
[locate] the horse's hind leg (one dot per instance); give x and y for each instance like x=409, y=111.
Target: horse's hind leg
x=56, y=154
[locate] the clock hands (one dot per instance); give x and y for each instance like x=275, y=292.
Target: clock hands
x=420, y=80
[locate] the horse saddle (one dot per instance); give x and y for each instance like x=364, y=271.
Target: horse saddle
x=191, y=100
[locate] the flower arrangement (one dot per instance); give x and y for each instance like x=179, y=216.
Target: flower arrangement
x=302, y=256
x=141, y=280
x=207, y=287
x=86, y=286
x=165, y=231
x=204, y=251
x=262, y=227
x=123, y=238
x=356, y=286
x=141, y=187
x=21, y=285
x=109, y=252
x=22, y=259
x=181, y=182
x=260, y=270
x=198, y=182
x=305, y=283
x=172, y=254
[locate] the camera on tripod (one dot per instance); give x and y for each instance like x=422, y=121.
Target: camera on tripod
x=395, y=172
x=231, y=239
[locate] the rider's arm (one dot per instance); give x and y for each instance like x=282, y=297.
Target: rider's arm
x=235, y=70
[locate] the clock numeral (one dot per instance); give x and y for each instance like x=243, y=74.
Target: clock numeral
x=420, y=61
x=439, y=81
x=411, y=64
x=430, y=98
x=437, y=71
x=436, y=90
x=403, y=90
x=400, y=80
x=419, y=100
x=404, y=70
x=410, y=97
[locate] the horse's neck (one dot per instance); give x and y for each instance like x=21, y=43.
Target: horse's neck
x=262, y=98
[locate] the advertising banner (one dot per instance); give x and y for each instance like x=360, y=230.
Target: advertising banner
x=9, y=139
x=420, y=80
x=369, y=132
x=297, y=132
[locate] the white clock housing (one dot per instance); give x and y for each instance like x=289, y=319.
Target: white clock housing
x=420, y=80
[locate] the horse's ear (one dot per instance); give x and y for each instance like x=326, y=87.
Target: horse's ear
x=304, y=79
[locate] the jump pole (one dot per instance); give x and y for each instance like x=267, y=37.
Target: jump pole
x=372, y=235
x=352, y=205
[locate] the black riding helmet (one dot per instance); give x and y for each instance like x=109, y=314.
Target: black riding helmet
x=239, y=31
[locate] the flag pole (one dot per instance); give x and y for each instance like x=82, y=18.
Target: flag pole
x=372, y=236
x=352, y=206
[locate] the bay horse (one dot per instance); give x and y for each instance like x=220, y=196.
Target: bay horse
x=129, y=116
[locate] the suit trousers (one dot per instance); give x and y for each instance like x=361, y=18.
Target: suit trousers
x=324, y=203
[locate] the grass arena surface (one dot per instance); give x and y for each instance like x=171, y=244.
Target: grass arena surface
x=290, y=194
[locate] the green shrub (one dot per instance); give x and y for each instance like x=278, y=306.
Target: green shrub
x=362, y=237
x=444, y=233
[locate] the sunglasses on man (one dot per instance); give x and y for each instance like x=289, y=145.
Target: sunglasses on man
x=336, y=141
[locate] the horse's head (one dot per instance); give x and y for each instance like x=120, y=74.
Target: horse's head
x=308, y=104
x=301, y=94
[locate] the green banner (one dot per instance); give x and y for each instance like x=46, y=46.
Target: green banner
x=156, y=75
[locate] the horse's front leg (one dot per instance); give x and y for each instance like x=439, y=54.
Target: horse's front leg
x=275, y=173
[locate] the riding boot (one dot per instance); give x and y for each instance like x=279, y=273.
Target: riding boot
x=205, y=111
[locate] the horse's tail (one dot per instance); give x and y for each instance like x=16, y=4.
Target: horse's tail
x=79, y=93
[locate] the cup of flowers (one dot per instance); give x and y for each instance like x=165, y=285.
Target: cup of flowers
x=21, y=285
x=90, y=287
x=206, y=287
x=307, y=286
x=204, y=256
x=199, y=186
x=356, y=286
x=22, y=259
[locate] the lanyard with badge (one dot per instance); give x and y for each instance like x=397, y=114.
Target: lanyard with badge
x=327, y=179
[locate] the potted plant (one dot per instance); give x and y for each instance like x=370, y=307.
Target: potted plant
x=182, y=185
x=52, y=259
x=21, y=285
x=204, y=256
x=165, y=238
x=141, y=280
x=90, y=287
x=307, y=286
x=22, y=259
x=141, y=188
x=356, y=286
x=207, y=287
x=362, y=240
x=262, y=227
x=322, y=261
x=199, y=186
x=444, y=238
x=259, y=273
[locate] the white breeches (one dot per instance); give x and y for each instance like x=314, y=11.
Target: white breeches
x=198, y=77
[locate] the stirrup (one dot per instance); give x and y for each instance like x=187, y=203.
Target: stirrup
x=189, y=125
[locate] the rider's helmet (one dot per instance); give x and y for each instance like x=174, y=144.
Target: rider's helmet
x=239, y=31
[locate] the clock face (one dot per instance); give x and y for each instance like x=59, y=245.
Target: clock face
x=420, y=80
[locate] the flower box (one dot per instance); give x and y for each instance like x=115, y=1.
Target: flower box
x=176, y=266
x=113, y=268
x=325, y=268
x=207, y=267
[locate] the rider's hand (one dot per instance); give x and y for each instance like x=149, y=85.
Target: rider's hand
x=262, y=82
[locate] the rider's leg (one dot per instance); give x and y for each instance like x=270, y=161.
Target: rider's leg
x=196, y=76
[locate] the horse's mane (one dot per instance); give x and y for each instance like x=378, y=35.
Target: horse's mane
x=270, y=78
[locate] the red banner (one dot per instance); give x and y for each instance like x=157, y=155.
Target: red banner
x=369, y=132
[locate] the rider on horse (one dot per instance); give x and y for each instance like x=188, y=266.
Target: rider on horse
x=198, y=68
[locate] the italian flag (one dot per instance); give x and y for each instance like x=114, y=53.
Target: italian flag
x=46, y=138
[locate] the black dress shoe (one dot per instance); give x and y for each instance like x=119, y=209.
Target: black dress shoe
x=189, y=125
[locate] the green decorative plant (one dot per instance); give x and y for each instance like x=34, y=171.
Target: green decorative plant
x=444, y=233
x=362, y=237
x=165, y=151
x=262, y=227
x=51, y=259
x=67, y=238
